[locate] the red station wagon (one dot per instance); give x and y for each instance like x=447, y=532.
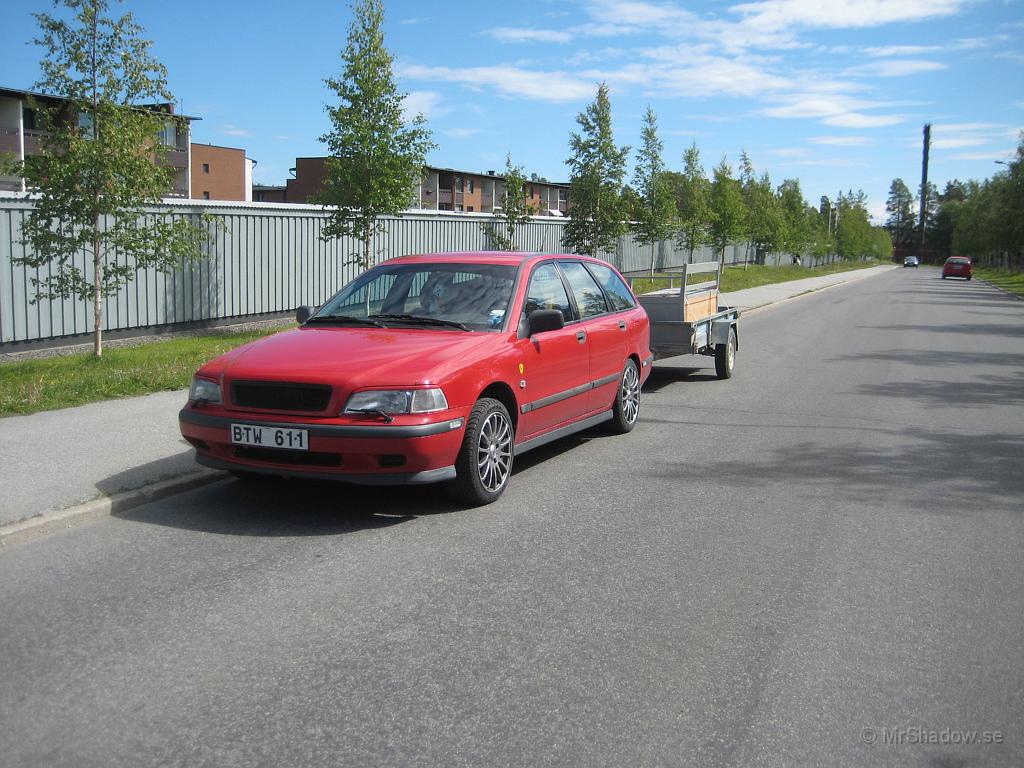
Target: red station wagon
x=427, y=369
x=957, y=266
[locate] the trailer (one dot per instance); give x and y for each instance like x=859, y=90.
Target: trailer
x=685, y=316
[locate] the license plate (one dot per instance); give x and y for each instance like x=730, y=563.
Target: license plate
x=270, y=437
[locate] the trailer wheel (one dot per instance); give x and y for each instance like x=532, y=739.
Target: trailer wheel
x=484, y=464
x=626, y=408
x=725, y=356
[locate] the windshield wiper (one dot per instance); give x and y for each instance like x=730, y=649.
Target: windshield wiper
x=346, y=319
x=424, y=320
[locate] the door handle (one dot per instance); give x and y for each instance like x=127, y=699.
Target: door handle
x=622, y=325
x=581, y=337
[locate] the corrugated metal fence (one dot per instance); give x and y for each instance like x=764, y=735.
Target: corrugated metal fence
x=262, y=259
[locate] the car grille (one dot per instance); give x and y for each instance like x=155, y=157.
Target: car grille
x=280, y=396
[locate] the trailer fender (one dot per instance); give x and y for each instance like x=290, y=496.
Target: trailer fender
x=720, y=331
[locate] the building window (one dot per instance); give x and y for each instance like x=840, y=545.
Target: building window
x=458, y=183
x=469, y=208
x=533, y=192
x=206, y=167
x=469, y=189
x=206, y=195
x=458, y=207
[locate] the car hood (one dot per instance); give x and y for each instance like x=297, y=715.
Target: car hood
x=357, y=356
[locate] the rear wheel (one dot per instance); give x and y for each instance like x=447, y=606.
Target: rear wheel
x=626, y=408
x=484, y=465
x=725, y=356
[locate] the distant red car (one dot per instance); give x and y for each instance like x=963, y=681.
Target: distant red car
x=957, y=266
x=426, y=369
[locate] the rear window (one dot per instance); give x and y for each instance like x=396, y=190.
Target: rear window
x=958, y=261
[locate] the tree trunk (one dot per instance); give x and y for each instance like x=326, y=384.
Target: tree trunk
x=97, y=297
x=654, y=256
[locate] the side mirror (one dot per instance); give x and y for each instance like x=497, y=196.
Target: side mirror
x=303, y=313
x=541, y=320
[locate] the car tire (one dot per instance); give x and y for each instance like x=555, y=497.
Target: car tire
x=484, y=463
x=725, y=356
x=626, y=407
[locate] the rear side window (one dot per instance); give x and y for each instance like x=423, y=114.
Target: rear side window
x=618, y=293
x=546, y=291
x=589, y=298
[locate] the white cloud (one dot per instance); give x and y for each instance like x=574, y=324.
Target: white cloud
x=856, y=120
x=964, y=44
x=461, y=133
x=426, y=103
x=975, y=156
x=232, y=130
x=841, y=141
x=510, y=81
x=957, y=143
x=414, y=21
x=523, y=35
x=896, y=68
x=852, y=14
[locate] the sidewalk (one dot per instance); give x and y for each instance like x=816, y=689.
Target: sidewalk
x=78, y=463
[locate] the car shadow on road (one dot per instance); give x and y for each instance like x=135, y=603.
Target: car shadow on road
x=278, y=506
x=274, y=507
x=663, y=376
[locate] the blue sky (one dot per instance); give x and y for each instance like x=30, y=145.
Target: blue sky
x=832, y=93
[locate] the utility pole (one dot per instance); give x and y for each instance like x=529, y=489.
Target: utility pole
x=924, y=176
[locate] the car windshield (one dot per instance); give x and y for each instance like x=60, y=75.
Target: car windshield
x=471, y=297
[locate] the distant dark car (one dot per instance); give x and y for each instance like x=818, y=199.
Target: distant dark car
x=957, y=266
x=911, y=261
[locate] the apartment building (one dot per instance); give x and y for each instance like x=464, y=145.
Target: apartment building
x=199, y=171
x=220, y=173
x=443, y=189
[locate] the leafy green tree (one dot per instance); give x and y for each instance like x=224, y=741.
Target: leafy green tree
x=376, y=159
x=653, y=217
x=765, y=223
x=728, y=210
x=597, y=170
x=946, y=218
x=856, y=238
x=693, y=203
x=100, y=162
x=796, y=229
x=900, y=207
x=514, y=210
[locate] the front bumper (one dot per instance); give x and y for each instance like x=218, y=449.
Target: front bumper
x=370, y=454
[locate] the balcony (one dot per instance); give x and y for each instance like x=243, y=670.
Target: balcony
x=10, y=142
x=175, y=158
x=444, y=196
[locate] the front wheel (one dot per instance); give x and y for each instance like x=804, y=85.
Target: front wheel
x=484, y=464
x=626, y=408
x=725, y=356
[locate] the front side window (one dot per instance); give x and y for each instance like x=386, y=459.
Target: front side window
x=474, y=295
x=588, y=295
x=546, y=291
x=618, y=293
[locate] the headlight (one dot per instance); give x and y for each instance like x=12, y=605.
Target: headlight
x=205, y=390
x=397, y=401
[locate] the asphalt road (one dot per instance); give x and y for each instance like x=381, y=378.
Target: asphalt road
x=818, y=562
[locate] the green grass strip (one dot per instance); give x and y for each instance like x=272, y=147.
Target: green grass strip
x=738, y=278
x=44, y=384
x=1001, y=278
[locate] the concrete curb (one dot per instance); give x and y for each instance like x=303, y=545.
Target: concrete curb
x=71, y=517
x=761, y=307
x=1001, y=290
